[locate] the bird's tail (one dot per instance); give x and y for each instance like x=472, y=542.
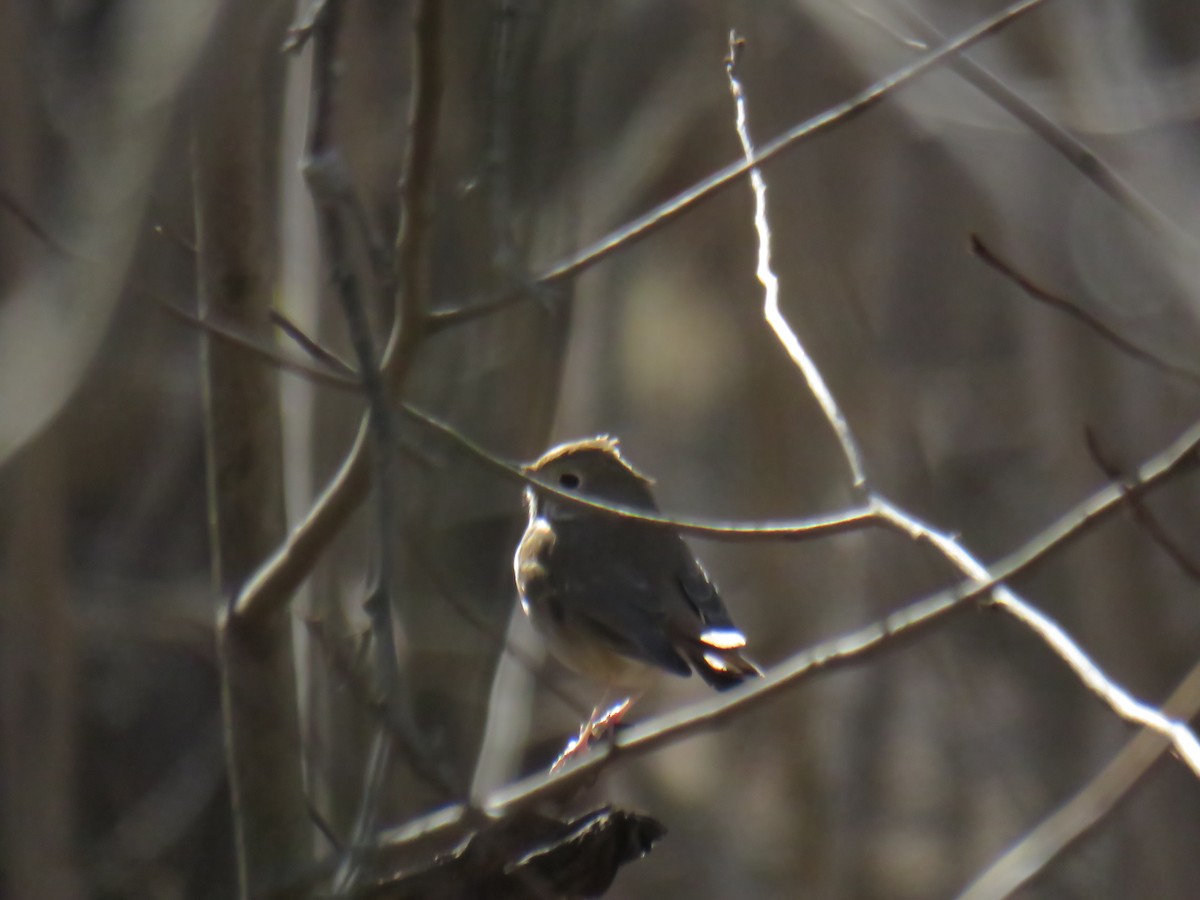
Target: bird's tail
x=722, y=668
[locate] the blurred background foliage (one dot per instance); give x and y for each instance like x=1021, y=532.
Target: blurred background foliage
x=901, y=778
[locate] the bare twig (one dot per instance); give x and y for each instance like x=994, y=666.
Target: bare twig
x=476, y=621
x=1180, y=734
x=30, y=223
x=233, y=335
x=886, y=27
x=173, y=235
x=1142, y=514
x=342, y=377
x=982, y=581
x=1025, y=860
x=336, y=206
x=322, y=825
x=853, y=519
x=851, y=649
x=662, y=214
x=1058, y=138
x=819, y=526
x=1119, y=700
x=315, y=349
x=278, y=577
x=1076, y=312
x=164, y=815
x=770, y=282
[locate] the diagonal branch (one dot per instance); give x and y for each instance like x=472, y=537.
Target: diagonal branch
x=855, y=648
x=1054, y=835
x=1079, y=314
x=1074, y=151
x=656, y=218
x=1141, y=513
x=808, y=528
x=340, y=221
x=277, y=579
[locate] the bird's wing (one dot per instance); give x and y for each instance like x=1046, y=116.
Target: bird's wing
x=620, y=607
x=707, y=636
x=702, y=598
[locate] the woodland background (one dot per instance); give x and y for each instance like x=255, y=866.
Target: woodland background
x=125, y=123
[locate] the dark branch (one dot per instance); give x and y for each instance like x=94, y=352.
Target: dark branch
x=1141, y=513
x=1126, y=346
x=1058, y=138
x=852, y=649
x=645, y=225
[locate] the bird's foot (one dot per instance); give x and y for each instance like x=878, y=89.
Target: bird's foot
x=597, y=726
x=611, y=718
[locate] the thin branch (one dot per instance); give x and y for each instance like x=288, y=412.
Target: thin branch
x=820, y=526
x=1141, y=513
x=1117, y=699
x=333, y=196
x=851, y=649
x=656, y=218
x=886, y=27
x=322, y=825
x=229, y=333
x=33, y=226
x=853, y=519
x=414, y=242
x=277, y=579
x=500, y=638
x=232, y=172
x=1024, y=861
x=1180, y=734
x=163, y=816
x=770, y=282
x=313, y=348
x=1076, y=312
x=173, y=235
x=232, y=335
x=1058, y=138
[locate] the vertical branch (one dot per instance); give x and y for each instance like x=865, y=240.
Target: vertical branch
x=414, y=242
x=770, y=282
x=273, y=584
x=338, y=213
x=235, y=268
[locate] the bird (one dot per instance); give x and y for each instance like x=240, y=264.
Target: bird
x=618, y=600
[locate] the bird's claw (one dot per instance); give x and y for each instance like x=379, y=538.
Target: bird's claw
x=597, y=727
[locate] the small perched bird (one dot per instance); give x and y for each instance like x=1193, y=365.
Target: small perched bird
x=618, y=600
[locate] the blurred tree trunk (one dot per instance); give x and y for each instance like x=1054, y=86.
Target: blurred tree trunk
x=506, y=192
x=38, y=686
x=235, y=131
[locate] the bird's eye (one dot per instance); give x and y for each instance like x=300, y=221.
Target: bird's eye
x=569, y=480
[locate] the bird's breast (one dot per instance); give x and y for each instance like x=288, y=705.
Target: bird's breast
x=587, y=654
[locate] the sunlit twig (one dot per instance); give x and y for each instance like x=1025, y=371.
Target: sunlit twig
x=770, y=282
x=851, y=649
x=1021, y=863
x=665, y=212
